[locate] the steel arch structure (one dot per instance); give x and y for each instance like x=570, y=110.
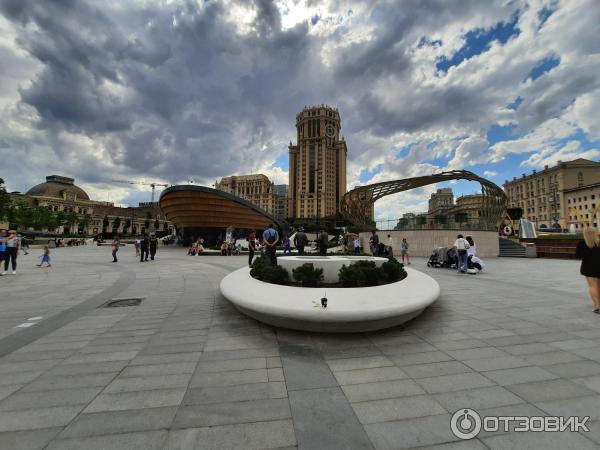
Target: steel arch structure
x=356, y=204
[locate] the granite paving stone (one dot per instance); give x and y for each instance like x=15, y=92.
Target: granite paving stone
x=115, y=422
x=186, y=370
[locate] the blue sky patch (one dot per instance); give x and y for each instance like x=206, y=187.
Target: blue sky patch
x=478, y=41
x=283, y=161
x=515, y=103
x=543, y=66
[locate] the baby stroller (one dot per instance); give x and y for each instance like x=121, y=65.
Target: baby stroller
x=450, y=259
x=437, y=257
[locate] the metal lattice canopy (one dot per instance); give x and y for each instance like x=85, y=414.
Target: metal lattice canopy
x=356, y=204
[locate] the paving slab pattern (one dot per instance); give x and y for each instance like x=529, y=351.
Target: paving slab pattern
x=185, y=370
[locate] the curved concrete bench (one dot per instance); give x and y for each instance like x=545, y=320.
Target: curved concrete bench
x=348, y=309
x=330, y=264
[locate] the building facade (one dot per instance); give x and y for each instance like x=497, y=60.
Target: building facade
x=441, y=201
x=60, y=195
x=317, y=164
x=542, y=194
x=257, y=189
x=281, y=202
x=583, y=206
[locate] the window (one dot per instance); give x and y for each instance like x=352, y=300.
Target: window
x=580, y=179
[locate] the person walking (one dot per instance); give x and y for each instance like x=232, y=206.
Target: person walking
x=287, y=245
x=588, y=251
x=390, y=246
x=153, y=245
x=24, y=244
x=251, y=245
x=404, y=251
x=323, y=240
x=300, y=241
x=270, y=239
x=461, y=245
x=144, y=248
x=357, y=245
x=12, y=250
x=374, y=243
x=2, y=247
x=137, y=247
x=115, y=247
x=45, y=258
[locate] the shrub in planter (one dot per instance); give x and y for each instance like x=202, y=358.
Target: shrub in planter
x=275, y=274
x=392, y=271
x=351, y=276
x=264, y=271
x=307, y=275
x=366, y=273
x=360, y=273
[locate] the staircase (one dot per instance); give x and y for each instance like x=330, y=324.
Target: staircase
x=511, y=249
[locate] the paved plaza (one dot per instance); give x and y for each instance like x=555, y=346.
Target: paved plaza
x=184, y=370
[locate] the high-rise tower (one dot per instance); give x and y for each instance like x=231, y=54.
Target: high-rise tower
x=317, y=172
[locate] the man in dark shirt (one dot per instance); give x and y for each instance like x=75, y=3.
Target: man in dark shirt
x=300, y=241
x=144, y=248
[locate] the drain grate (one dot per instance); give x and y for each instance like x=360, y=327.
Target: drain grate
x=122, y=302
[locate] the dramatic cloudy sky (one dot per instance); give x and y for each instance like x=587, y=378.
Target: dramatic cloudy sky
x=179, y=90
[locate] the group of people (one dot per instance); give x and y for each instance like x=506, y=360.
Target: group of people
x=380, y=249
x=466, y=255
x=10, y=244
x=197, y=247
x=143, y=247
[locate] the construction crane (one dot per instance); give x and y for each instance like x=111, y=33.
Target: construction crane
x=152, y=185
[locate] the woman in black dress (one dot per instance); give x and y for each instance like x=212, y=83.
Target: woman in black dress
x=588, y=251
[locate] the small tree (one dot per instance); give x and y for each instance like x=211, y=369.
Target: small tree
x=441, y=219
x=515, y=213
x=461, y=217
x=5, y=202
x=104, y=224
x=421, y=220
x=116, y=223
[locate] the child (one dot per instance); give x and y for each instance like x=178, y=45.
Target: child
x=45, y=257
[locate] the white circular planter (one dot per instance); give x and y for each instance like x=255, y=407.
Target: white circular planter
x=331, y=265
x=348, y=309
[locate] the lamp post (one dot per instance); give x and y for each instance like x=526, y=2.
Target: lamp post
x=317, y=172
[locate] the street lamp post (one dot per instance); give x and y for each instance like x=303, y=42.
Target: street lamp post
x=317, y=172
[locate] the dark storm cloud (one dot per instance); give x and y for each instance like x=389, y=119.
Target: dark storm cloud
x=189, y=89
x=174, y=89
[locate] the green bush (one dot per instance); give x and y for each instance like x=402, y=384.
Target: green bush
x=393, y=270
x=366, y=273
x=307, y=275
x=264, y=271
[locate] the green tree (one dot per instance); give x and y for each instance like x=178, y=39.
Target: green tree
x=461, y=217
x=156, y=224
x=421, y=220
x=71, y=219
x=104, y=224
x=116, y=223
x=126, y=225
x=441, y=219
x=515, y=213
x=85, y=221
x=403, y=222
x=5, y=202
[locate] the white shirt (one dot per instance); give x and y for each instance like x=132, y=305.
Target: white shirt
x=461, y=244
x=391, y=241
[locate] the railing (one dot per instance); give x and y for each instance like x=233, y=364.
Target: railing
x=431, y=224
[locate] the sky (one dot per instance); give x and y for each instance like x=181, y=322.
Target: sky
x=189, y=91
